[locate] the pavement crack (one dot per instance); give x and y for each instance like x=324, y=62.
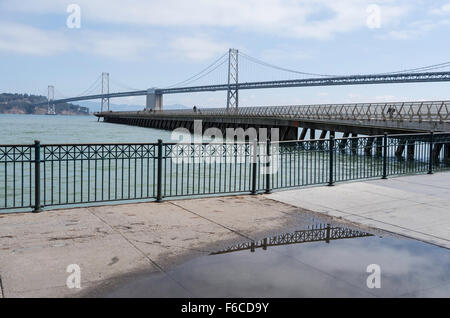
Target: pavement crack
x=70, y=237
x=212, y=221
x=141, y=251
x=126, y=239
x=176, y=246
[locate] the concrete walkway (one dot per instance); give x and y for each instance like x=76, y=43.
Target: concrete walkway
x=414, y=206
x=111, y=241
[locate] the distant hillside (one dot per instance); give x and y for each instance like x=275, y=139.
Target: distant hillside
x=24, y=104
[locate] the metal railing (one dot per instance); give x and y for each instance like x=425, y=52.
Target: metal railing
x=37, y=176
x=426, y=111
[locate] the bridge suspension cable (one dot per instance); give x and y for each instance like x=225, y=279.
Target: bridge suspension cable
x=260, y=62
x=206, y=71
x=428, y=68
x=59, y=94
x=93, y=86
x=123, y=86
x=422, y=69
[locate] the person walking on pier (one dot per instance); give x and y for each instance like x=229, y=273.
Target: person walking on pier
x=391, y=111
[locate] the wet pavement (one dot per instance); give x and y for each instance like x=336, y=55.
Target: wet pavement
x=320, y=260
x=415, y=206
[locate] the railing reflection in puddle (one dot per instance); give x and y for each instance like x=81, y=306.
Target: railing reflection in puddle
x=316, y=233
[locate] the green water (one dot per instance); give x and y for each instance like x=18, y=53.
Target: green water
x=24, y=129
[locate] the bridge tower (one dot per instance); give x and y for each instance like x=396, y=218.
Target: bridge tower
x=105, y=90
x=51, y=110
x=233, y=79
x=154, y=100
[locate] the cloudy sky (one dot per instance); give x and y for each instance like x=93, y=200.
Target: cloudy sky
x=157, y=43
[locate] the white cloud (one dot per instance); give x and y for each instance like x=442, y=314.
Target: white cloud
x=416, y=29
x=121, y=46
x=437, y=18
x=443, y=10
x=289, y=18
x=24, y=39
x=18, y=38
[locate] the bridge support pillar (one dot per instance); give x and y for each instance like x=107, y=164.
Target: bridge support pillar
x=343, y=142
x=154, y=101
x=368, y=147
x=447, y=153
x=400, y=150
x=410, y=151
x=287, y=133
x=233, y=79
x=437, y=152
x=379, y=147
x=291, y=133
x=303, y=133
x=354, y=143
x=105, y=90
x=51, y=110
x=323, y=135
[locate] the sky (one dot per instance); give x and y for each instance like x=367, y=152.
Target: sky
x=157, y=43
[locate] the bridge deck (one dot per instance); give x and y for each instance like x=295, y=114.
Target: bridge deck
x=388, y=78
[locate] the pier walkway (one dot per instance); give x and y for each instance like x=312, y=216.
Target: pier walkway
x=362, y=118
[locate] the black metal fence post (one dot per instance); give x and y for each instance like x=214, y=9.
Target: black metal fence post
x=430, y=157
x=159, y=177
x=331, y=181
x=327, y=240
x=385, y=155
x=254, y=165
x=268, y=166
x=37, y=176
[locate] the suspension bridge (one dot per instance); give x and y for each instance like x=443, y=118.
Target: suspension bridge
x=243, y=72
x=401, y=138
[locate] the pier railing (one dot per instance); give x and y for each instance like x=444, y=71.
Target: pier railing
x=53, y=175
x=424, y=111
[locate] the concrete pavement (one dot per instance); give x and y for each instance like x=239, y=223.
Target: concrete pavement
x=111, y=241
x=414, y=206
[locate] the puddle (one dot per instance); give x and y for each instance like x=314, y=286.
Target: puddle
x=320, y=260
